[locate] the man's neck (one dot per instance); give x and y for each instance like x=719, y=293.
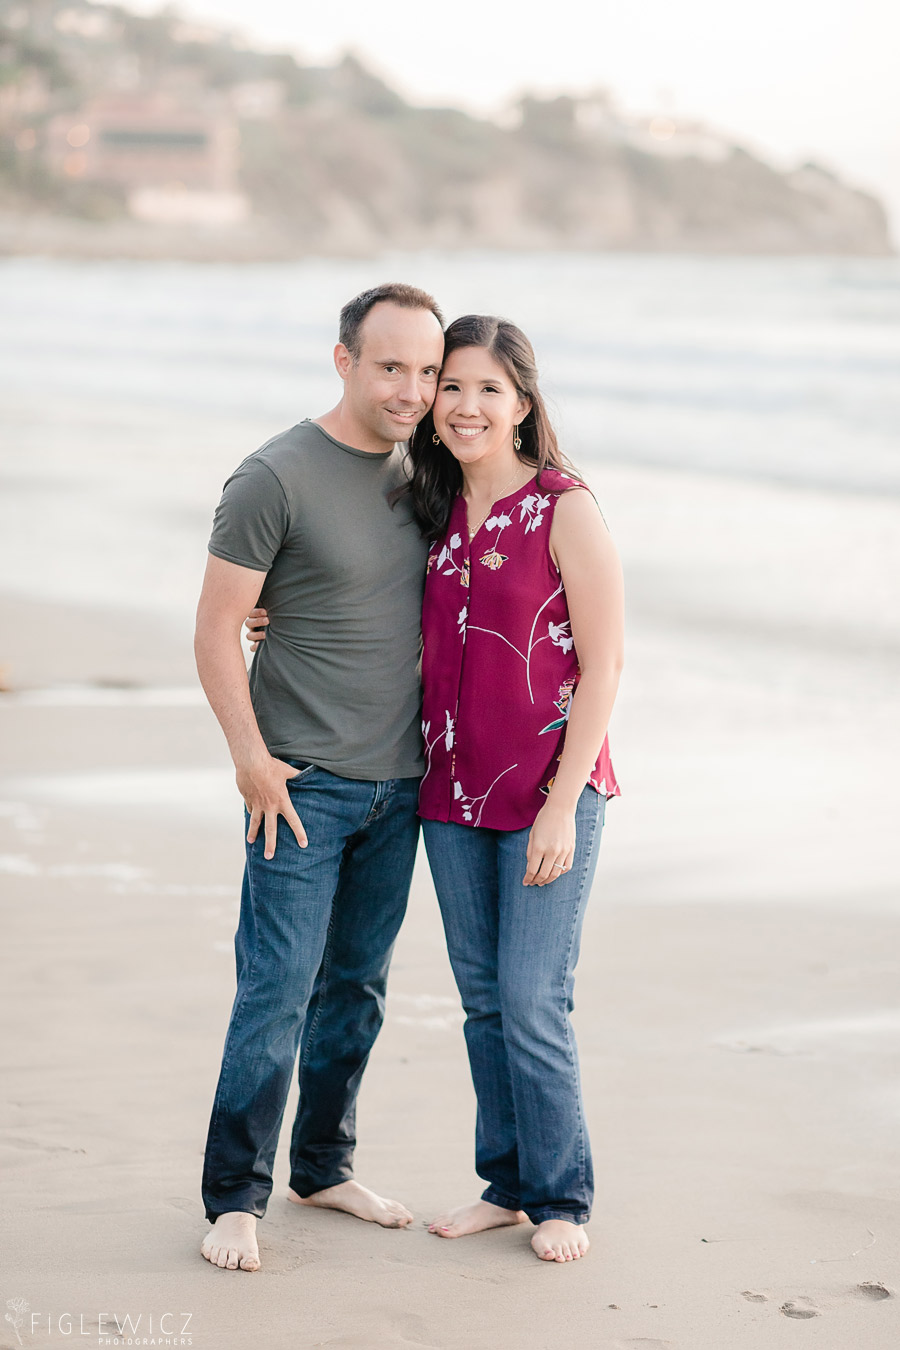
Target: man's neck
x=339, y=424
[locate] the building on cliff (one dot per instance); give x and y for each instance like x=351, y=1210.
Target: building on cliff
x=176, y=158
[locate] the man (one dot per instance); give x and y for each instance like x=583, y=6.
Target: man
x=326, y=746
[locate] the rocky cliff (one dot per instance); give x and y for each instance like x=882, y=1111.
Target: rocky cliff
x=333, y=160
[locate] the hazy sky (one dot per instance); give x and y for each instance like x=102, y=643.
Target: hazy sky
x=795, y=78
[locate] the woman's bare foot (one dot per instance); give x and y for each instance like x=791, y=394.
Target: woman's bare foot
x=231, y=1242
x=559, y=1240
x=358, y=1200
x=475, y=1219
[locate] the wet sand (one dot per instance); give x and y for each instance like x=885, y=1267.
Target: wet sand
x=739, y=1046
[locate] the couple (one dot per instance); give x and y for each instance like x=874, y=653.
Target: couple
x=335, y=530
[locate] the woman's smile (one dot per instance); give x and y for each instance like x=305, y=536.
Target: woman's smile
x=477, y=405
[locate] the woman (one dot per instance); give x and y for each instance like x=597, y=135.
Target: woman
x=522, y=628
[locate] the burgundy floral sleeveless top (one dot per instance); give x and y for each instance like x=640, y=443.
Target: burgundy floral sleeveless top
x=499, y=665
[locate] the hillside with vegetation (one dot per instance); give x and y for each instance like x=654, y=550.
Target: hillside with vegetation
x=313, y=160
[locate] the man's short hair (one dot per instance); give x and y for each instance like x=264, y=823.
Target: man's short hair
x=393, y=292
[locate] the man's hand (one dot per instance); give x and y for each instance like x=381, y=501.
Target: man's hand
x=262, y=784
x=551, y=845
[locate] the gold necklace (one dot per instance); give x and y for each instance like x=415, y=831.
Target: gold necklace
x=474, y=530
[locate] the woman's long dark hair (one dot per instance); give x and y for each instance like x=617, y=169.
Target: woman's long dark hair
x=435, y=476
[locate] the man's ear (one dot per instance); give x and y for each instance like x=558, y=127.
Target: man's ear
x=343, y=360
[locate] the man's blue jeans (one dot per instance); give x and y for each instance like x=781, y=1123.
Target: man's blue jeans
x=513, y=949
x=313, y=945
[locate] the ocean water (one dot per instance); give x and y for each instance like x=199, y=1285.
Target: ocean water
x=129, y=390
x=739, y=419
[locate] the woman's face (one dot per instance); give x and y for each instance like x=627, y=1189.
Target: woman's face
x=477, y=406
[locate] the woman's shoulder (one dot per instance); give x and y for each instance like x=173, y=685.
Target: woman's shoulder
x=556, y=481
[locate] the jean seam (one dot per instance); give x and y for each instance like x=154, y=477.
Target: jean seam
x=234, y=1024
x=582, y=1158
x=379, y=805
x=323, y=990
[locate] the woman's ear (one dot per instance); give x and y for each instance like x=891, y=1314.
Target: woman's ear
x=523, y=409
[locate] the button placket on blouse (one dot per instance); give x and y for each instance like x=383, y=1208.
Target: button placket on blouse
x=467, y=564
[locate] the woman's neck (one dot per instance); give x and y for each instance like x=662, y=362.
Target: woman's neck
x=496, y=478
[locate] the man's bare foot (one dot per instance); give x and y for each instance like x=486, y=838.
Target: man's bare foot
x=231, y=1242
x=559, y=1240
x=475, y=1219
x=358, y=1200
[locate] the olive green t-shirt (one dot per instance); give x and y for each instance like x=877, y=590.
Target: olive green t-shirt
x=337, y=680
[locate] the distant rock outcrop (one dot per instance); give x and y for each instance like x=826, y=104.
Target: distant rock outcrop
x=152, y=135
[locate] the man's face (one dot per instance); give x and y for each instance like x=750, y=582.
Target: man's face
x=392, y=385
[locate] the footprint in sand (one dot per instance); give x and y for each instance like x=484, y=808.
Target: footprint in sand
x=874, y=1289
x=753, y=1297
x=800, y=1307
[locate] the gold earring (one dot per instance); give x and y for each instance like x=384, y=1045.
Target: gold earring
x=435, y=440
x=517, y=440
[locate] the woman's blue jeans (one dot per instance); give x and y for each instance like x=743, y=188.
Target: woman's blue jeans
x=513, y=949
x=313, y=946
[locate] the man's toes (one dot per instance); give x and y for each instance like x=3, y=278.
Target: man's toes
x=232, y=1260
x=250, y=1263
x=222, y=1257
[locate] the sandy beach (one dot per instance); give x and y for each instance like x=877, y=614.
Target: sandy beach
x=738, y=996
x=736, y=1012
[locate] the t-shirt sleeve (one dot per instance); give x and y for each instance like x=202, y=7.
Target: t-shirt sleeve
x=252, y=518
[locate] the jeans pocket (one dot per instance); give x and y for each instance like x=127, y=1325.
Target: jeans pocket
x=305, y=771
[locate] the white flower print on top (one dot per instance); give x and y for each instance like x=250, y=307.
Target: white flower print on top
x=494, y=559
x=446, y=557
x=468, y=804
x=447, y=732
x=533, y=506
x=559, y=636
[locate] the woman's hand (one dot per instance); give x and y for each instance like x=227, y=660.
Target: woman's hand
x=551, y=844
x=255, y=626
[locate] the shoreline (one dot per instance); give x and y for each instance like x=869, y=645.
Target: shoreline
x=261, y=241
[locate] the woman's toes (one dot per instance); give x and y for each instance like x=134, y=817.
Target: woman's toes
x=232, y=1262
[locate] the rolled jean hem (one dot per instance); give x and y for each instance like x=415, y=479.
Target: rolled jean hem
x=542, y=1215
x=495, y=1197
x=306, y=1186
x=258, y=1211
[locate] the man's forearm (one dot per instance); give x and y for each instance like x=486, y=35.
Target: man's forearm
x=223, y=674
